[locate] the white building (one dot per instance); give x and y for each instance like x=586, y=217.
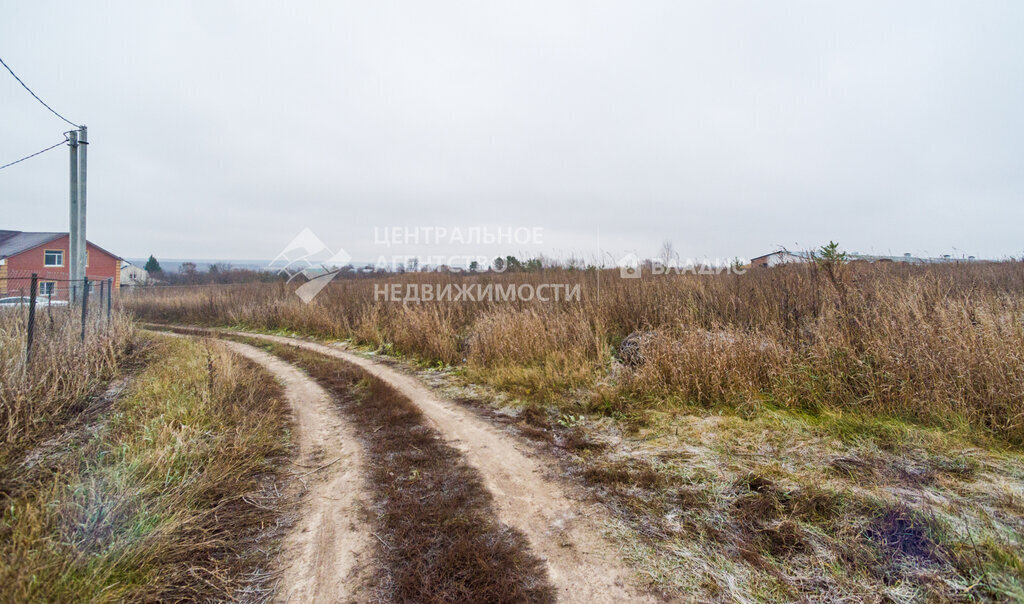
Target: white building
x=132, y=275
x=787, y=257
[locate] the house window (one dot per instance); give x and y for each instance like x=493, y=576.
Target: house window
x=53, y=258
x=47, y=288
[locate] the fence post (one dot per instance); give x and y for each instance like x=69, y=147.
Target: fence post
x=110, y=292
x=85, y=304
x=102, y=285
x=31, y=318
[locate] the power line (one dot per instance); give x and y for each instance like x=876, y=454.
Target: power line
x=37, y=98
x=34, y=154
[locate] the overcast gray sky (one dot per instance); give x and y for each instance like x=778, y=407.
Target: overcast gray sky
x=221, y=129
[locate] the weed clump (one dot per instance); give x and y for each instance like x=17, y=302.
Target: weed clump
x=903, y=538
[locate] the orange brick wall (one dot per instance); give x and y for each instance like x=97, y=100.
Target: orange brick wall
x=101, y=266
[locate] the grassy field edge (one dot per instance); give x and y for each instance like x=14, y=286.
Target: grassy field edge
x=165, y=496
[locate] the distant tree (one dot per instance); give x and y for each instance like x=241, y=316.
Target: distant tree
x=189, y=273
x=667, y=254
x=513, y=264
x=474, y=266
x=831, y=255
x=152, y=266
x=831, y=259
x=499, y=264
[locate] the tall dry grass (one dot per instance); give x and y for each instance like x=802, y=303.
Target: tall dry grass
x=939, y=344
x=35, y=399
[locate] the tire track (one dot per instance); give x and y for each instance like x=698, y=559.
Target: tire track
x=582, y=565
x=324, y=555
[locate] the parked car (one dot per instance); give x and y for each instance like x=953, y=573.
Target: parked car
x=18, y=301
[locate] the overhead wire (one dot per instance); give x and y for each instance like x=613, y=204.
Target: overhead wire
x=33, y=155
x=44, y=104
x=36, y=96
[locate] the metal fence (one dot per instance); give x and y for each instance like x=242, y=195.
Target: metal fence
x=94, y=296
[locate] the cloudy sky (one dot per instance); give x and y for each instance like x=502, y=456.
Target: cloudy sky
x=222, y=129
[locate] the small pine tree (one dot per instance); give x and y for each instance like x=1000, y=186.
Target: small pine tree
x=152, y=266
x=832, y=254
x=832, y=260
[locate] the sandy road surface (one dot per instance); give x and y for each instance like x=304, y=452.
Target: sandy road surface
x=323, y=556
x=566, y=533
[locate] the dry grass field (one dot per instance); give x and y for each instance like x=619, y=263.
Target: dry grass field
x=938, y=345
x=833, y=431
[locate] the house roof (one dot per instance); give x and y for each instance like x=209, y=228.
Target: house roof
x=801, y=255
x=16, y=242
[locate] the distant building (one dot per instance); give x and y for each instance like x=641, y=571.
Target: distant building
x=132, y=276
x=779, y=257
x=786, y=257
x=910, y=259
x=46, y=254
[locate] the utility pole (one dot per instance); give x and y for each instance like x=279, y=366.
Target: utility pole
x=83, y=152
x=73, y=223
x=78, y=140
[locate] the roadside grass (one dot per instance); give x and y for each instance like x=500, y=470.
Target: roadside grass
x=56, y=387
x=779, y=504
x=161, y=496
x=915, y=513
x=784, y=506
x=438, y=539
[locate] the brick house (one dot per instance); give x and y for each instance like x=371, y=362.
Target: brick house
x=779, y=257
x=46, y=254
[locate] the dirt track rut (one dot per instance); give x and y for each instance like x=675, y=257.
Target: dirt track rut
x=323, y=554
x=566, y=533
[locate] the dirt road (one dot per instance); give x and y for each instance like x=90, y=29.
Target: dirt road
x=566, y=533
x=323, y=554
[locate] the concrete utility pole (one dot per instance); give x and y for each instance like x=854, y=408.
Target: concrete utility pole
x=83, y=153
x=73, y=222
x=78, y=140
